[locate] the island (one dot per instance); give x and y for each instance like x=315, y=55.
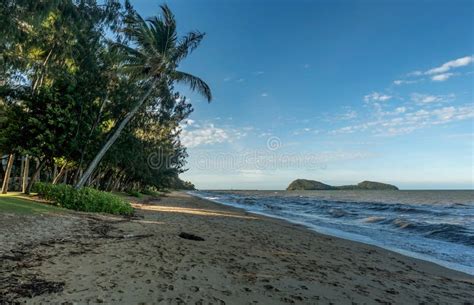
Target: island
x=312, y=185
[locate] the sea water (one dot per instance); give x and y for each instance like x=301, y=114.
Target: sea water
x=437, y=226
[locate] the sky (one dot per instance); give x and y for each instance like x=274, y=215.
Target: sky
x=335, y=91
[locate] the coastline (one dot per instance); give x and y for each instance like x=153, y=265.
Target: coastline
x=350, y=237
x=245, y=258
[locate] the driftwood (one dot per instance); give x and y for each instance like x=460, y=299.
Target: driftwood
x=190, y=236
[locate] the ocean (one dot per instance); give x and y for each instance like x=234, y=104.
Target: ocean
x=437, y=226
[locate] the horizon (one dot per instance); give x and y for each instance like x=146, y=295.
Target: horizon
x=270, y=190
x=335, y=163
x=362, y=91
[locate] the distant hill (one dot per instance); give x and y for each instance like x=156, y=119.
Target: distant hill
x=312, y=185
x=303, y=184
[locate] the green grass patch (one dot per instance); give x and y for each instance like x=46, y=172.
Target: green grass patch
x=134, y=193
x=84, y=199
x=151, y=192
x=16, y=204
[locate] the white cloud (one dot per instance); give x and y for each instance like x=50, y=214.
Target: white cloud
x=400, y=110
x=306, y=130
x=415, y=73
x=456, y=63
x=350, y=114
x=264, y=94
x=441, y=77
x=208, y=135
x=347, y=113
x=424, y=98
x=406, y=122
x=429, y=99
x=257, y=73
x=227, y=79
x=306, y=66
x=402, y=81
x=376, y=97
x=438, y=74
x=264, y=134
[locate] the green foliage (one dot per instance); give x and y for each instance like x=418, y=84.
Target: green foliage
x=308, y=185
x=135, y=193
x=311, y=185
x=150, y=192
x=85, y=199
x=70, y=71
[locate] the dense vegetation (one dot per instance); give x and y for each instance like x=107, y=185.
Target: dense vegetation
x=84, y=199
x=87, y=97
x=311, y=185
x=304, y=184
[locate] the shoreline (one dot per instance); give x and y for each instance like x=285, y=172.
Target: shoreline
x=346, y=236
x=244, y=258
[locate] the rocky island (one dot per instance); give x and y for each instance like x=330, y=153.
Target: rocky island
x=312, y=185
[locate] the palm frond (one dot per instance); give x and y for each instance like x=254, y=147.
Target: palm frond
x=168, y=17
x=164, y=29
x=187, y=44
x=165, y=37
x=194, y=82
x=138, y=31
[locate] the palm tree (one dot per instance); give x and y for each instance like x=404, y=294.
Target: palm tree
x=153, y=61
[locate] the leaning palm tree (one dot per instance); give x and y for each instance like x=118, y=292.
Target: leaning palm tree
x=152, y=59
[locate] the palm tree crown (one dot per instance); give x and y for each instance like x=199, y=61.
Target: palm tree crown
x=157, y=51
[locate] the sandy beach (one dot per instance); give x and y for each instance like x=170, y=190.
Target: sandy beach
x=80, y=258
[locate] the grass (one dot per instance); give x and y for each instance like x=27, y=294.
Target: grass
x=143, y=195
x=20, y=204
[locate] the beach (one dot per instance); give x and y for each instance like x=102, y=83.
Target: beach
x=233, y=257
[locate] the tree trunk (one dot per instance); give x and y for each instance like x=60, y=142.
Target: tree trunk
x=6, y=178
x=55, y=171
x=20, y=176
x=25, y=174
x=61, y=172
x=2, y=171
x=33, y=177
x=92, y=166
x=66, y=172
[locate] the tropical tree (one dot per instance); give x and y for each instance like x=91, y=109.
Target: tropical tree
x=65, y=90
x=54, y=68
x=151, y=57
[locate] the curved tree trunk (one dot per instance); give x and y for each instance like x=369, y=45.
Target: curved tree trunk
x=6, y=178
x=92, y=166
x=61, y=172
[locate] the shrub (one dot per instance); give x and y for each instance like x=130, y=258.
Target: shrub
x=85, y=199
x=150, y=192
x=134, y=193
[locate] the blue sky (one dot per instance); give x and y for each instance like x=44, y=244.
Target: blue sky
x=336, y=91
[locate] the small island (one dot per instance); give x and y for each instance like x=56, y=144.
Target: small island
x=312, y=185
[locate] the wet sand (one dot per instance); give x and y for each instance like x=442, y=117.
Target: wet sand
x=244, y=259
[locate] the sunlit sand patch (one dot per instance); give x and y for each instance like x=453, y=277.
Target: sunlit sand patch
x=201, y=212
